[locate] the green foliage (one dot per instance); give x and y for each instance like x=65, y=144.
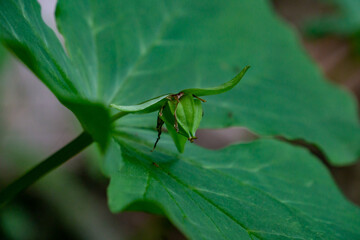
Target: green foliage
x=260, y=190
x=17, y=224
x=118, y=53
x=125, y=52
x=130, y=56
x=344, y=21
x=24, y=33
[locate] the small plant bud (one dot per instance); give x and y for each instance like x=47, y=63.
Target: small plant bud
x=181, y=112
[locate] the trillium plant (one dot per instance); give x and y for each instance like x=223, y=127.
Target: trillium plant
x=118, y=53
x=181, y=112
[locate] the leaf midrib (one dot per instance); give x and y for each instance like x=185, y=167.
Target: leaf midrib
x=173, y=198
x=304, y=215
x=166, y=21
x=184, y=185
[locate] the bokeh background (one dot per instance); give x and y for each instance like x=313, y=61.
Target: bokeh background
x=70, y=203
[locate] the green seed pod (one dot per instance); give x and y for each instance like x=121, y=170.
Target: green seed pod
x=183, y=114
x=178, y=139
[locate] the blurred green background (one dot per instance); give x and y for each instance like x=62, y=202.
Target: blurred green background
x=70, y=203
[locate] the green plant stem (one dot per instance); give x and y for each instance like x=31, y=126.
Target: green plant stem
x=49, y=164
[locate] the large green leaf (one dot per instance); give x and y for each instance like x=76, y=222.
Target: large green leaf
x=344, y=21
x=260, y=190
x=132, y=51
x=125, y=52
x=24, y=33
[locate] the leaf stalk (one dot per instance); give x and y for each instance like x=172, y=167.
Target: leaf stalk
x=40, y=170
x=58, y=158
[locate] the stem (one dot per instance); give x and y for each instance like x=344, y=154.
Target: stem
x=49, y=164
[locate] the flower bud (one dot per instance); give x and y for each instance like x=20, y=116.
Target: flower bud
x=182, y=113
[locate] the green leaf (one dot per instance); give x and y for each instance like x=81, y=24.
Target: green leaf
x=344, y=21
x=24, y=33
x=91, y=115
x=260, y=190
x=219, y=89
x=132, y=51
x=129, y=51
x=146, y=107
